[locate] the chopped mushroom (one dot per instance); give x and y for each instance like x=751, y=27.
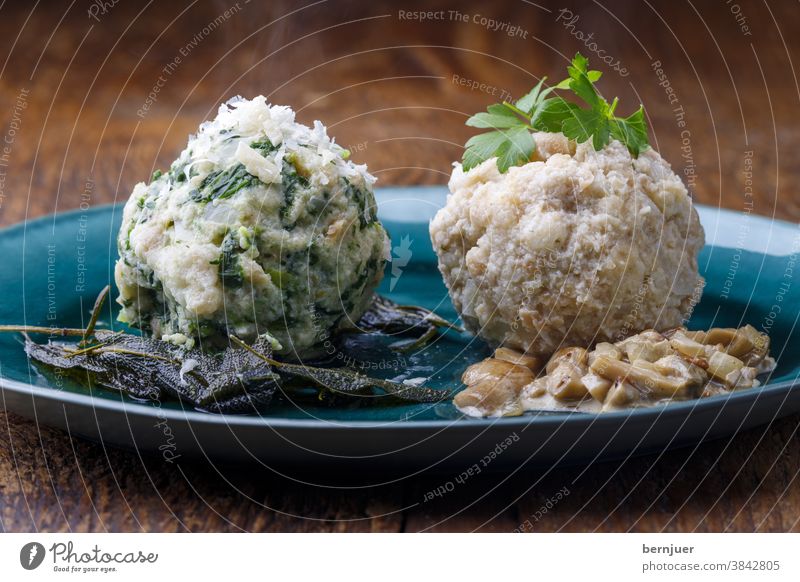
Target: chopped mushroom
x=725, y=367
x=577, y=356
x=564, y=374
x=493, y=388
x=642, y=370
x=622, y=394
x=597, y=386
x=605, y=349
x=515, y=357
x=565, y=382
x=687, y=346
x=649, y=350
x=676, y=366
x=644, y=376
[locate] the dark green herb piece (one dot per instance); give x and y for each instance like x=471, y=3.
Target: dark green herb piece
x=511, y=142
x=264, y=146
x=223, y=184
x=177, y=171
x=156, y=175
x=290, y=181
x=367, y=209
x=281, y=278
x=230, y=267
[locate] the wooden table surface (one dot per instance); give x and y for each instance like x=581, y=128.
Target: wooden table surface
x=75, y=108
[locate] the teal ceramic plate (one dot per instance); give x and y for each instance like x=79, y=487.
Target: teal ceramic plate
x=52, y=268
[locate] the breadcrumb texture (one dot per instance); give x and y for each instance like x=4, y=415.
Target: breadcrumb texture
x=575, y=247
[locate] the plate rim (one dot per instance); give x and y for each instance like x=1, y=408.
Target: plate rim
x=233, y=420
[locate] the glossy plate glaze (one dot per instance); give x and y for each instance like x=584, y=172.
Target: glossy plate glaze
x=52, y=268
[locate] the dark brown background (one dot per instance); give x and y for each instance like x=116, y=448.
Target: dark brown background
x=387, y=83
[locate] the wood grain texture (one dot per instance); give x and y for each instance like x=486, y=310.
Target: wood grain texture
x=387, y=83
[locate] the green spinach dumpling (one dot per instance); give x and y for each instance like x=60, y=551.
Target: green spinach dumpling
x=260, y=225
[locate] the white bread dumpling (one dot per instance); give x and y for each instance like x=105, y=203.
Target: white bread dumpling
x=574, y=247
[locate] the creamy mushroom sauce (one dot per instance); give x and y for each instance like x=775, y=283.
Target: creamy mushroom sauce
x=646, y=369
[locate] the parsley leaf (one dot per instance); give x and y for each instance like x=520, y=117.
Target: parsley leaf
x=550, y=115
x=632, y=131
x=580, y=82
x=481, y=147
x=583, y=124
x=599, y=122
x=511, y=142
x=493, y=121
x=535, y=97
x=516, y=150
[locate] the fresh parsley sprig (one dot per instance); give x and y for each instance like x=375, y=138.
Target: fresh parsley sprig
x=511, y=142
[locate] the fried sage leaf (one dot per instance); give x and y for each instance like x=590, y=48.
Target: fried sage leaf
x=241, y=378
x=347, y=381
x=410, y=345
x=386, y=316
x=234, y=381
